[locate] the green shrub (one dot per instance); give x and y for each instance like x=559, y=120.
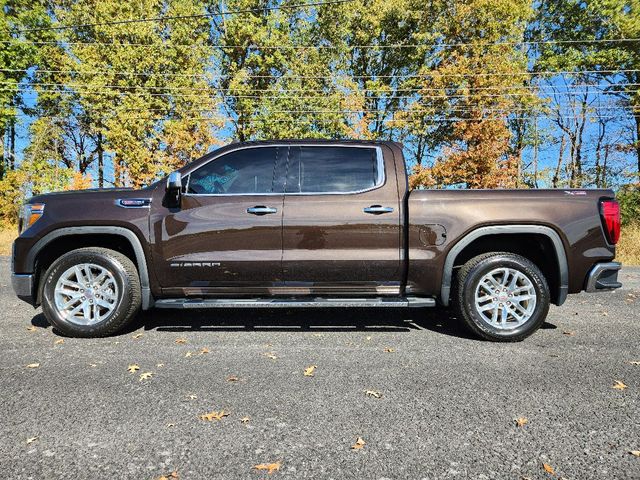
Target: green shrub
x=629, y=198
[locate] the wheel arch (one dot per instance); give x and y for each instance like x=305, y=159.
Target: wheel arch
x=561, y=282
x=122, y=233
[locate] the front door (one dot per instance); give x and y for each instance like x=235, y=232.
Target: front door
x=341, y=223
x=226, y=237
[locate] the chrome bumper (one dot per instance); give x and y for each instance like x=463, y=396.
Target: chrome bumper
x=23, y=286
x=603, y=276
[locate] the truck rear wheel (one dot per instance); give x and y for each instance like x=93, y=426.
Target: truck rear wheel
x=501, y=297
x=91, y=292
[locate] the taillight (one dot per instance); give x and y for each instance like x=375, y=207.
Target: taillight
x=610, y=212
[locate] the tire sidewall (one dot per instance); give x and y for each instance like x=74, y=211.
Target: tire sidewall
x=63, y=264
x=526, y=268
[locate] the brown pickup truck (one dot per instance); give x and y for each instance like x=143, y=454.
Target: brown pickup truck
x=308, y=223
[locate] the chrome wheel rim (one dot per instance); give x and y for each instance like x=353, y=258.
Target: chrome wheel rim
x=86, y=294
x=505, y=298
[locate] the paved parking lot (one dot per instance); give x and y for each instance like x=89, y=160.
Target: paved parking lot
x=427, y=400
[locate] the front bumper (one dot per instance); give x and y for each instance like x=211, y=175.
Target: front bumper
x=603, y=276
x=23, y=286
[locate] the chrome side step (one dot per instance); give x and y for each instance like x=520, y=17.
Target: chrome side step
x=321, y=302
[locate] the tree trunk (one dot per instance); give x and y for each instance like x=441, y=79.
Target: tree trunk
x=637, y=119
x=100, y=162
x=12, y=144
x=556, y=175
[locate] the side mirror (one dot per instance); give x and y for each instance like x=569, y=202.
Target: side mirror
x=173, y=190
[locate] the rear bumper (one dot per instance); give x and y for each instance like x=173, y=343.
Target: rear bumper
x=23, y=286
x=603, y=276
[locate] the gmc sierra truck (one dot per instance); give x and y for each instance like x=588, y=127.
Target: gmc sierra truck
x=311, y=223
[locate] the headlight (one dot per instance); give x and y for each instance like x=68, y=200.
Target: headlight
x=29, y=215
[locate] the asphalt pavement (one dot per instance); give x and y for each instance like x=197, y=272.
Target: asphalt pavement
x=427, y=400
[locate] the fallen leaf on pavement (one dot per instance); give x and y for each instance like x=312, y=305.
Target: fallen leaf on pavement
x=188, y=354
x=145, y=376
x=619, y=385
x=193, y=397
x=137, y=336
x=169, y=425
x=160, y=365
x=568, y=332
x=232, y=378
x=31, y=440
x=368, y=339
x=33, y=365
x=31, y=328
x=373, y=393
x=204, y=350
x=359, y=445
x=181, y=341
x=521, y=421
x=245, y=419
x=635, y=453
x=209, y=417
x=60, y=341
x=169, y=476
x=634, y=362
x=269, y=467
x=133, y=368
x=548, y=468
x=308, y=372
x=389, y=350
x=270, y=355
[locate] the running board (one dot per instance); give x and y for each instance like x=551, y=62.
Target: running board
x=296, y=302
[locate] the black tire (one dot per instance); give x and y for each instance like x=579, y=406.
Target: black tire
x=470, y=276
x=127, y=302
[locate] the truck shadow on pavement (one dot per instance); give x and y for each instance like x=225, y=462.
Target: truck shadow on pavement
x=438, y=320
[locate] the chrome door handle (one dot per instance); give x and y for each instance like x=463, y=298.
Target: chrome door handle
x=377, y=209
x=261, y=210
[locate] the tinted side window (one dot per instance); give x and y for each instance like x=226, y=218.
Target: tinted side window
x=332, y=169
x=250, y=170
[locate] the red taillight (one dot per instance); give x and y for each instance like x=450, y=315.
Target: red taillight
x=611, y=220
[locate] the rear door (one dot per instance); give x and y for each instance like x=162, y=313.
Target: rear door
x=341, y=222
x=226, y=237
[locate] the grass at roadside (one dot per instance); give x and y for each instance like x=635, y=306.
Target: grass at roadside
x=7, y=235
x=628, y=251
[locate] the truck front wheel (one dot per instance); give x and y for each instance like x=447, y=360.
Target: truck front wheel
x=501, y=297
x=91, y=292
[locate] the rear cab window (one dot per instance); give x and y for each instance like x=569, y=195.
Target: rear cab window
x=333, y=169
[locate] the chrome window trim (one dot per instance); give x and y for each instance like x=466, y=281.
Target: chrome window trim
x=380, y=180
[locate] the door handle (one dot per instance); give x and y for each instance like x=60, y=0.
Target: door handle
x=261, y=210
x=377, y=209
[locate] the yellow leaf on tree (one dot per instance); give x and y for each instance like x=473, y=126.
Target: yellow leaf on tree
x=308, y=372
x=269, y=467
x=217, y=416
x=133, y=368
x=33, y=365
x=145, y=376
x=521, y=422
x=619, y=385
x=359, y=445
x=548, y=468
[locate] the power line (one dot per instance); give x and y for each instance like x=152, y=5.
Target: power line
x=324, y=47
x=330, y=77
x=182, y=17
